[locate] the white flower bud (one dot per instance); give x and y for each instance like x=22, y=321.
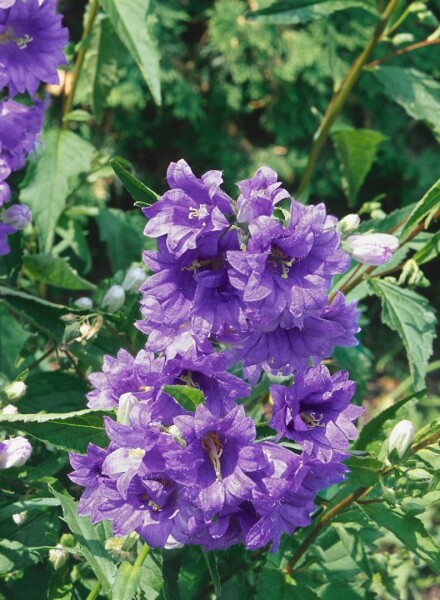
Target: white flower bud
x=133, y=279
x=114, y=299
x=15, y=390
x=115, y=547
x=126, y=403
x=401, y=438
x=6, y=3
x=14, y=452
x=9, y=409
x=84, y=302
x=348, y=224
x=372, y=248
x=58, y=557
x=20, y=518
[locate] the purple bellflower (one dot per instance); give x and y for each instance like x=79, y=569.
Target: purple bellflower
x=259, y=195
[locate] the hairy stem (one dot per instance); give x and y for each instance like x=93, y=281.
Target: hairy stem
x=93, y=11
x=341, y=95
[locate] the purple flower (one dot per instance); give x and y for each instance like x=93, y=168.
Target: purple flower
x=14, y=452
x=285, y=272
x=5, y=231
x=191, y=213
x=259, y=195
x=288, y=350
x=372, y=248
x=31, y=42
x=316, y=411
x=218, y=458
x=21, y=126
x=17, y=216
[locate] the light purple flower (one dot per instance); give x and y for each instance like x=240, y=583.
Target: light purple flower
x=14, y=452
x=259, y=195
x=372, y=248
x=18, y=216
x=316, y=411
x=31, y=42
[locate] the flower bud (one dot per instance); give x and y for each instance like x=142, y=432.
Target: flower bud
x=20, y=518
x=17, y=216
x=15, y=390
x=114, y=299
x=372, y=248
x=84, y=302
x=58, y=557
x=401, y=438
x=117, y=549
x=6, y=3
x=14, y=452
x=9, y=409
x=348, y=224
x=133, y=279
x=126, y=403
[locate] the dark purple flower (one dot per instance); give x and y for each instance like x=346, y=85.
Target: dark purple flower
x=288, y=350
x=31, y=41
x=259, y=195
x=316, y=411
x=87, y=474
x=218, y=458
x=191, y=214
x=5, y=231
x=21, y=126
x=285, y=272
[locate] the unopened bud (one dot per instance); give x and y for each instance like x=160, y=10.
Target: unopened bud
x=126, y=403
x=348, y=224
x=401, y=438
x=9, y=409
x=372, y=248
x=84, y=302
x=14, y=452
x=114, y=299
x=58, y=557
x=17, y=216
x=117, y=549
x=20, y=518
x=15, y=390
x=133, y=279
x=411, y=506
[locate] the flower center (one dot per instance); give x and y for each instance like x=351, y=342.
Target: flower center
x=198, y=213
x=311, y=420
x=213, y=447
x=136, y=453
x=155, y=507
x=279, y=259
x=9, y=36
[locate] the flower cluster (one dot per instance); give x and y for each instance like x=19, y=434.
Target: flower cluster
x=31, y=43
x=232, y=283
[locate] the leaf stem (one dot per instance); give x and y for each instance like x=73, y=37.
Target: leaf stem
x=401, y=51
x=95, y=591
x=93, y=11
x=341, y=95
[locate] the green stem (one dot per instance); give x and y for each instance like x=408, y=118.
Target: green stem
x=93, y=11
x=145, y=551
x=95, y=591
x=341, y=95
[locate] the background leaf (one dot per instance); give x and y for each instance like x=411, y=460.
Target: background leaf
x=295, y=12
x=429, y=203
x=189, y=398
x=56, y=271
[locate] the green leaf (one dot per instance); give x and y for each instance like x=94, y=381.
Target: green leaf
x=416, y=92
x=189, y=398
x=211, y=561
x=26, y=505
x=363, y=470
x=54, y=392
x=429, y=251
x=409, y=530
x=151, y=582
x=137, y=190
x=129, y=18
x=65, y=156
x=13, y=338
x=91, y=539
x=272, y=585
x=70, y=431
x=370, y=430
x=357, y=149
x=413, y=318
x=15, y=556
x=354, y=547
x=430, y=202
x=55, y=271
x=296, y=12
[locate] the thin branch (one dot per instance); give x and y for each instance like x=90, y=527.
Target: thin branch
x=401, y=51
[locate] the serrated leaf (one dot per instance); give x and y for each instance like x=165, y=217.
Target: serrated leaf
x=296, y=12
x=416, y=92
x=91, y=539
x=430, y=202
x=137, y=190
x=413, y=318
x=370, y=430
x=272, y=585
x=356, y=149
x=429, y=251
x=129, y=18
x=70, y=431
x=64, y=157
x=189, y=398
x=409, y=530
x=55, y=271
x=363, y=470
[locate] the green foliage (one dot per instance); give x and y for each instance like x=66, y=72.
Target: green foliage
x=295, y=12
x=55, y=271
x=189, y=398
